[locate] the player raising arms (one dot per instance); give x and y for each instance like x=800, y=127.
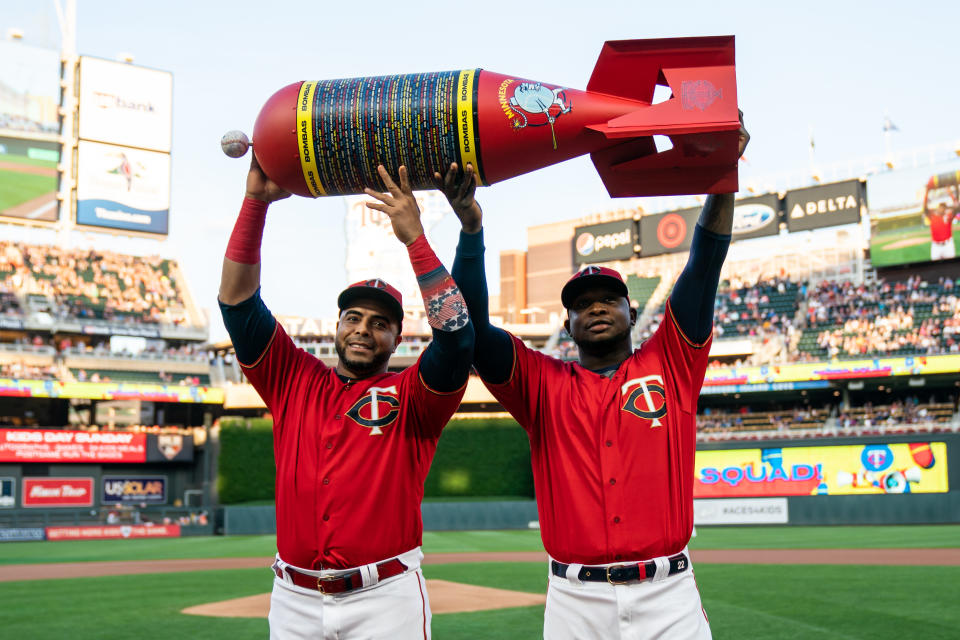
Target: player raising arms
x=352, y=444
x=612, y=438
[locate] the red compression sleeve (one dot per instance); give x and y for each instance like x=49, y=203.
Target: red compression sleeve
x=244, y=245
x=422, y=257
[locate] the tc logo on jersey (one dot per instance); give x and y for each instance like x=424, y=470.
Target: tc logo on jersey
x=648, y=399
x=379, y=407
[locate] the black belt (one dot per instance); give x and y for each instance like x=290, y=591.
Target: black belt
x=623, y=573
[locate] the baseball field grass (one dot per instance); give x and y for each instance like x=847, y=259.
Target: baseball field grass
x=19, y=186
x=903, y=246
x=743, y=601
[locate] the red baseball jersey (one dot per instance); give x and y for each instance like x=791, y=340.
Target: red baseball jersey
x=351, y=457
x=612, y=457
x=941, y=226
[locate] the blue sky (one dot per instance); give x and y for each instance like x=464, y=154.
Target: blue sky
x=835, y=66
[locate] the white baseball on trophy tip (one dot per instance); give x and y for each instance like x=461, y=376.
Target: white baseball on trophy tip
x=235, y=143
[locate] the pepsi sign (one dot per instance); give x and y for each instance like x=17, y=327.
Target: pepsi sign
x=604, y=242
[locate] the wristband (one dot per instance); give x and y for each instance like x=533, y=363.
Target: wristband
x=244, y=245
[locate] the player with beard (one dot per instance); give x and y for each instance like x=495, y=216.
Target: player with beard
x=612, y=437
x=353, y=443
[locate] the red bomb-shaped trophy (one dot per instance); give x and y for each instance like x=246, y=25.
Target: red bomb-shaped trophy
x=327, y=137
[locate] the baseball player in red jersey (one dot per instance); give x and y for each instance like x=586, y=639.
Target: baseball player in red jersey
x=612, y=437
x=941, y=231
x=353, y=443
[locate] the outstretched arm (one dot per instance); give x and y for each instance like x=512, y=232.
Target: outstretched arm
x=695, y=292
x=247, y=319
x=445, y=365
x=493, y=356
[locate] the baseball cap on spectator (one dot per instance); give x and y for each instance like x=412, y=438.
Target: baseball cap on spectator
x=375, y=289
x=592, y=276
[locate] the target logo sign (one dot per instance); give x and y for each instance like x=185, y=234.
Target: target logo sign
x=671, y=231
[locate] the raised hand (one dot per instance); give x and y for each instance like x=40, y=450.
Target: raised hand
x=744, y=135
x=260, y=187
x=399, y=204
x=460, y=187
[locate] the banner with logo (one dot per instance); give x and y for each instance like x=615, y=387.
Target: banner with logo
x=57, y=492
x=915, y=214
x=832, y=371
x=8, y=488
x=915, y=467
x=825, y=205
x=134, y=489
x=169, y=447
x=740, y=511
x=22, y=534
x=113, y=532
x=669, y=232
x=604, y=242
x=123, y=188
x=123, y=104
x=756, y=217
x=51, y=445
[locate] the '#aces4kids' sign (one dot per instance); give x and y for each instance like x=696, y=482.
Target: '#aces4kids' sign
x=915, y=467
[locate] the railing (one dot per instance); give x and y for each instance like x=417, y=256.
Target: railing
x=825, y=431
x=27, y=349
x=193, y=358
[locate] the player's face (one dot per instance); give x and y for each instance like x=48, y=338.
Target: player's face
x=599, y=319
x=367, y=335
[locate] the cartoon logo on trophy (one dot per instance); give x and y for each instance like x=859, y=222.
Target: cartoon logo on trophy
x=538, y=105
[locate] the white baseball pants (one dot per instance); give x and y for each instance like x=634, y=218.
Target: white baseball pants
x=662, y=608
x=397, y=608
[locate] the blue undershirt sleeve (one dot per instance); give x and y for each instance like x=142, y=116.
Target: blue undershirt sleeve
x=250, y=325
x=445, y=364
x=695, y=291
x=493, y=352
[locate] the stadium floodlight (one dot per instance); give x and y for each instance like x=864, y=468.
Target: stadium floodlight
x=14, y=34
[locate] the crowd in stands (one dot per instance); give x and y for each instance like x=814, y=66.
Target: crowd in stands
x=907, y=411
x=93, y=284
x=21, y=371
x=904, y=318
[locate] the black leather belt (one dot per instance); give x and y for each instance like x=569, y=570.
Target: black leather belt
x=341, y=583
x=623, y=573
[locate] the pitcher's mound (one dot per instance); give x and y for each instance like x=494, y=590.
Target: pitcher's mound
x=445, y=597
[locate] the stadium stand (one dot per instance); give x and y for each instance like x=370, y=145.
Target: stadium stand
x=870, y=319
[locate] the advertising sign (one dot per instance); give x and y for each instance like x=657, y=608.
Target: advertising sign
x=49, y=445
x=133, y=489
x=603, y=242
x=113, y=531
x=756, y=217
x=7, y=492
x=29, y=91
x=57, y=492
x=668, y=232
x=835, y=371
x=29, y=179
x=169, y=447
x=125, y=105
x=17, y=388
x=878, y=468
x=915, y=214
x=123, y=188
x=825, y=205
x=21, y=534
x=740, y=511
